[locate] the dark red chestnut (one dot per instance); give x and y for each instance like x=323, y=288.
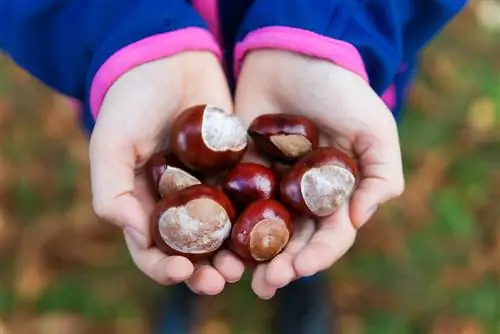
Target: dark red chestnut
x=319, y=183
x=193, y=222
x=207, y=138
x=262, y=231
x=167, y=174
x=280, y=170
x=249, y=182
x=283, y=136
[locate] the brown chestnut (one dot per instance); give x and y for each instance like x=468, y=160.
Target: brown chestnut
x=249, y=182
x=167, y=174
x=319, y=183
x=193, y=222
x=280, y=170
x=283, y=136
x=262, y=231
x=207, y=138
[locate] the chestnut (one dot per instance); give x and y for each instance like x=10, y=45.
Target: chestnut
x=167, y=174
x=279, y=170
x=207, y=138
x=283, y=136
x=319, y=183
x=249, y=182
x=262, y=231
x=193, y=222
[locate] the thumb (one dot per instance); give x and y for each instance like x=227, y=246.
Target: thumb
x=112, y=168
x=382, y=176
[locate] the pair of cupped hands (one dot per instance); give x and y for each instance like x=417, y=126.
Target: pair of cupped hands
x=135, y=118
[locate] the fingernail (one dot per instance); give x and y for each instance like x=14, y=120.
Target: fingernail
x=137, y=236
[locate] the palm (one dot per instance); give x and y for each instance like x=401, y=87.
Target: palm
x=352, y=118
x=134, y=118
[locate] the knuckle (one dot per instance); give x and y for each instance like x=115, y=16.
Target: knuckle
x=399, y=187
x=102, y=209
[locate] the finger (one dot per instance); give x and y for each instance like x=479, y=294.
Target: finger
x=229, y=266
x=206, y=280
x=259, y=285
x=112, y=167
x=381, y=173
x=334, y=237
x=280, y=270
x=163, y=269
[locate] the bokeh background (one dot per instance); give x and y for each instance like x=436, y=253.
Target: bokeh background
x=427, y=263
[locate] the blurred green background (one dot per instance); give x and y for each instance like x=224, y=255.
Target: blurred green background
x=427, y=263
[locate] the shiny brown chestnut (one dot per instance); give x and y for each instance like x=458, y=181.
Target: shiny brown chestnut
x=280, y=170
x=193, y=222
x=262, y=231
x=319, y=183
x=249, y=182
x=207, y=138
x=167, y=174
x=284, y=136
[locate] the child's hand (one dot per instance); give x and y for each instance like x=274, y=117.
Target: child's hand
x=132, y=123
x=352, y=117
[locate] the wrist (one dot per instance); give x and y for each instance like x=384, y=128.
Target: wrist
x=301, y=42
x=150, y=49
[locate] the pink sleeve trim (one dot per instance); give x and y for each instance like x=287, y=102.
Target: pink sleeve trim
x=304, y=42
x=146, y=50
x=208, y=9
x=389, y=97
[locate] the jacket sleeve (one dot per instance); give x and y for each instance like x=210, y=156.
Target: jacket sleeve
x=80, y=47
x=372, y=38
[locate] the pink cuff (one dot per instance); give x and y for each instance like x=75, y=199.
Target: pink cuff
x=303, y=42
x=208, y=9
x=146, y=50
x=389, y=97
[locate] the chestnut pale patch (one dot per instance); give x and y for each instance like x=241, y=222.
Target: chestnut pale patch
x=200, y=226
x=174, y=179
x=222, y=131
x=268, y=238
x=326, y=188
x=292, y=145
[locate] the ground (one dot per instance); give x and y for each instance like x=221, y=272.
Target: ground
x=427, y=263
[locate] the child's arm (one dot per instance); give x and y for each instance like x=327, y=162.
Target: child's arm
x=81, y=47
x=130, y=62
x=372, y=38
x=344, y=55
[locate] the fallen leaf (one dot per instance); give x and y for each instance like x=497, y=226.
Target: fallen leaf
x=60, y=323
x=455, y=325
x=488, y=14
x=351, y=324
x=481, y=115
x=215, y=326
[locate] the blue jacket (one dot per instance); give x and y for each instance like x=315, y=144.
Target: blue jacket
x=79, y=47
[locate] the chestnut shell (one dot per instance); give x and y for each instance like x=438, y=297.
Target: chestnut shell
x=291, y=184
x=248, y=182
x=181, y=198
x=188, y=145
x=268, y=241
x=157, y=165
x=265, y=128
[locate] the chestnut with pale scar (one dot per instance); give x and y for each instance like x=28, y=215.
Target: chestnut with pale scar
x=193, y=222
x=283, y=137
x=321, y=182
x=206, y=138
x=167, y=174
x=262, y=231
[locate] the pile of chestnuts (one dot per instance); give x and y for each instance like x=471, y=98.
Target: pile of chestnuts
x=249, y=209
